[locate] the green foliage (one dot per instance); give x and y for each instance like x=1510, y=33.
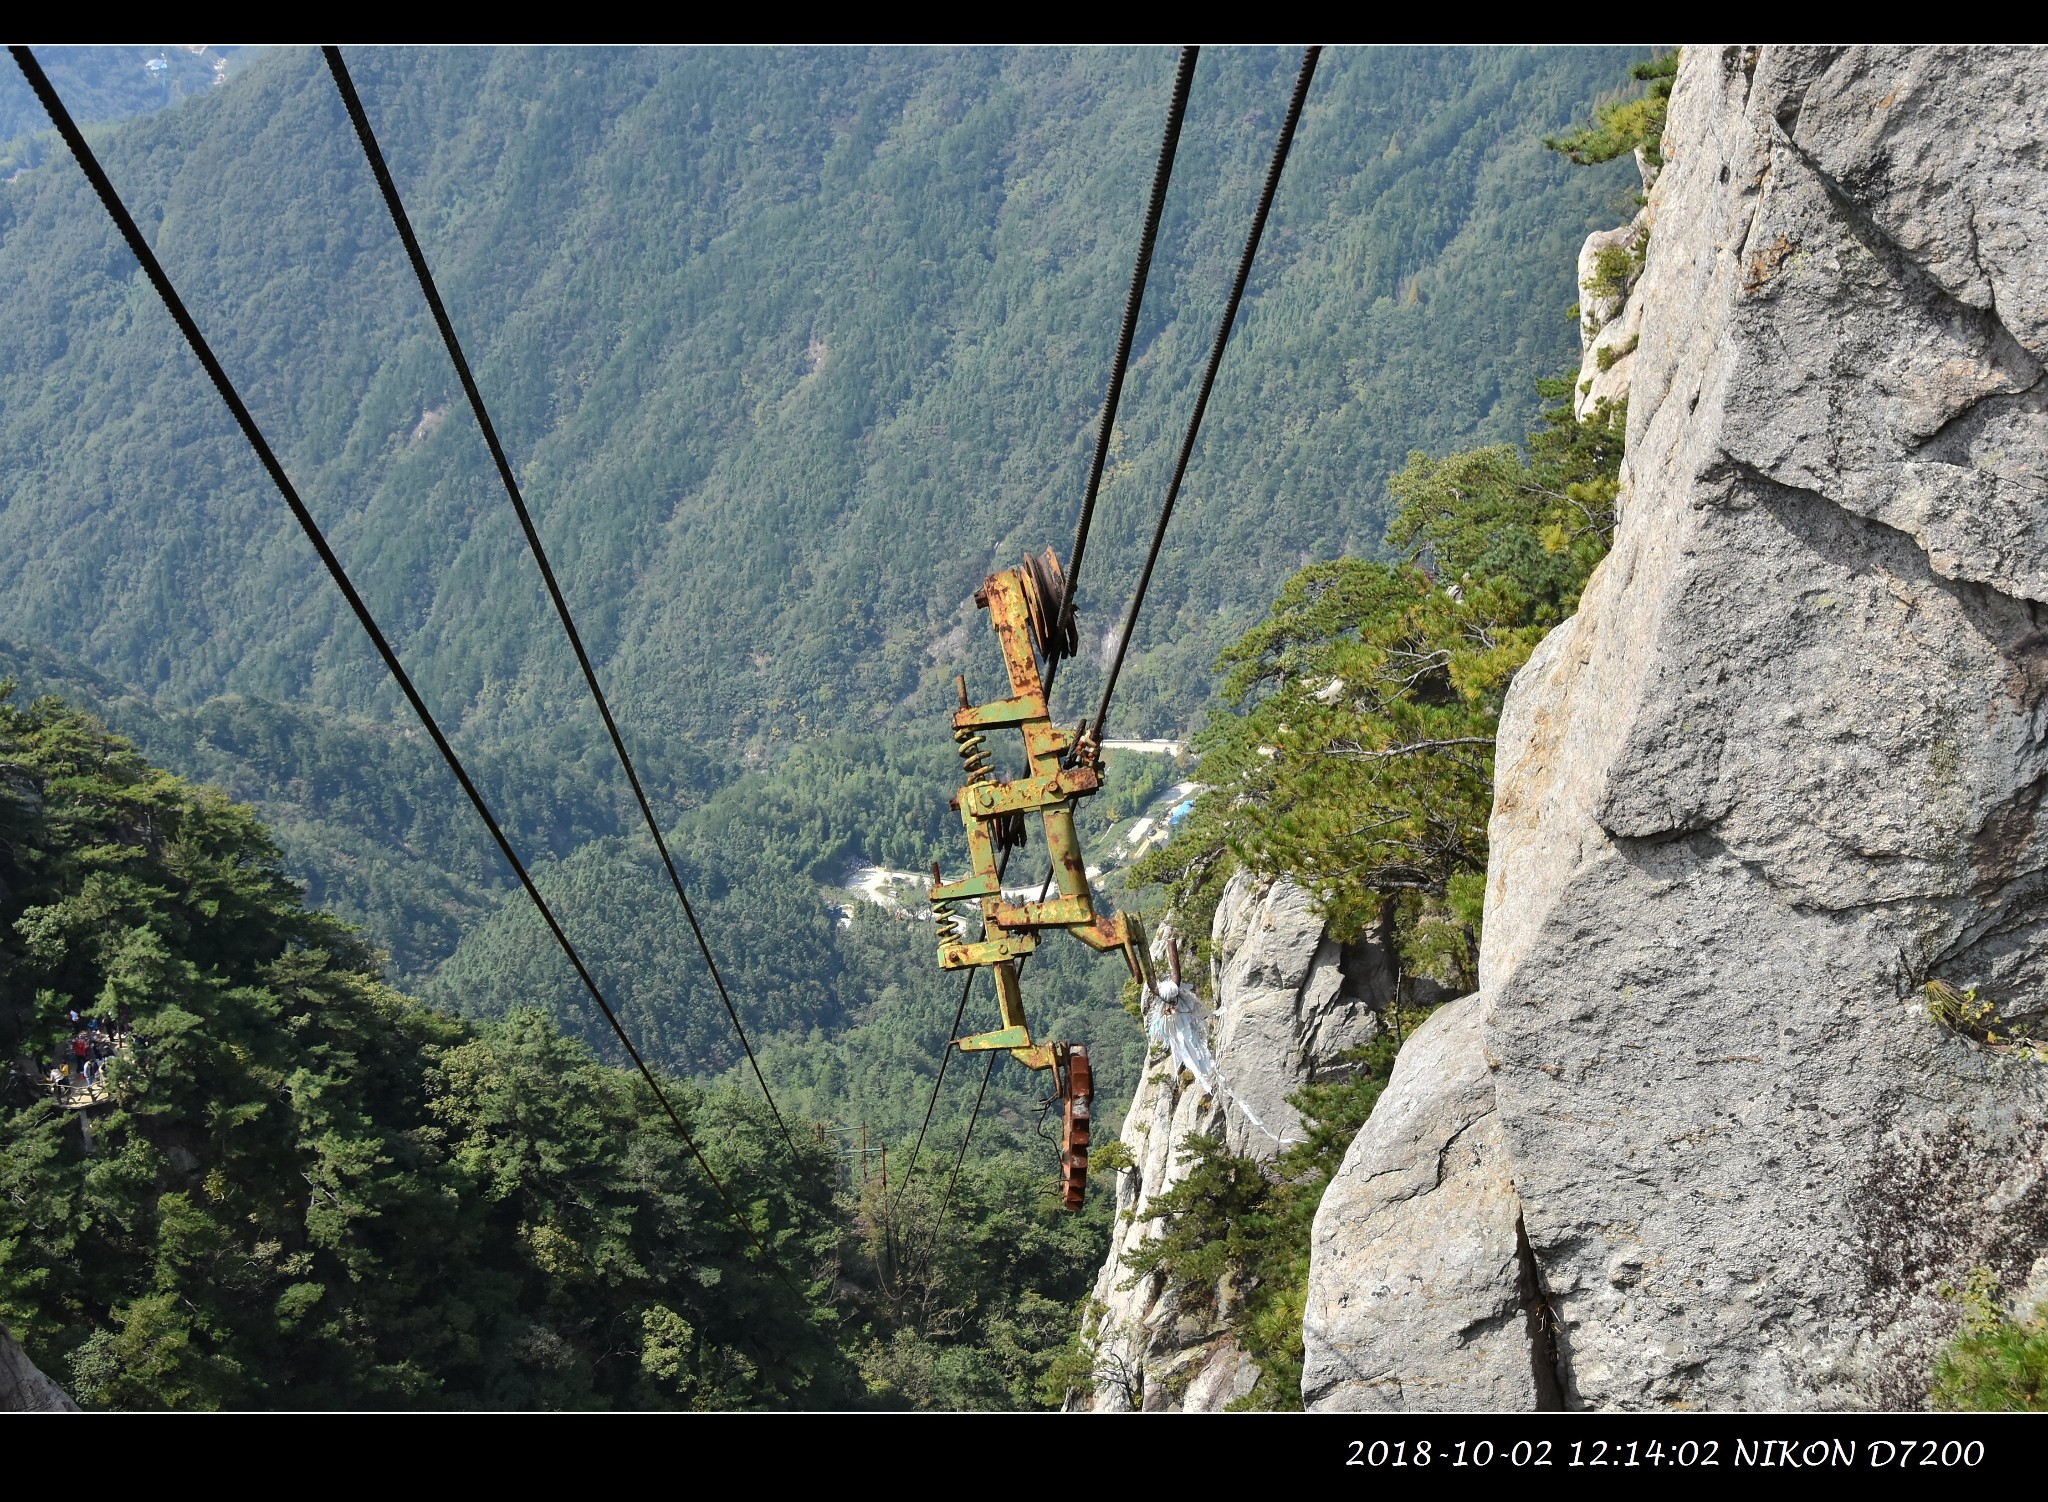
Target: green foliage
x=1133, y=780
x=367, y=816
x=1611, y=355
x=372, y=814
x=1999, y=1362
x=309, y=1189
x=1113, y=1156
x=1072, y=1370
x=1624, y=126
x=1235, y=1239
x=1615, y=269
x=1360, y=756
x=978, y=1313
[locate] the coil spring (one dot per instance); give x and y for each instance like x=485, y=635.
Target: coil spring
x=973, y=749
x=951, y=929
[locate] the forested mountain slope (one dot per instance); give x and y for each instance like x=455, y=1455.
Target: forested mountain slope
x=296, y=1187
x=103, y=84
x=789, y=347
x=790, y=350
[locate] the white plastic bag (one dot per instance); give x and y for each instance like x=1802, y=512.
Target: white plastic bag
x=1177, y=1019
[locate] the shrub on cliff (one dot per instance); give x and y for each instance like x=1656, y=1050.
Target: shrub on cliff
x=1359, y=758
x=1633, y=123
x=1234, y=1236
x=1999, y=1361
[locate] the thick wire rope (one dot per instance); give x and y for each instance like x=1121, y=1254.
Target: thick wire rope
x=1141, y=270
x=103, y=186
x=403, y=222
x=1187, y=447
x=1162, y=175
x=960, y=1158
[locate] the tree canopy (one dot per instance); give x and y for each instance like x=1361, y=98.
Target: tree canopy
x=1357, y=754
x=1627, y=125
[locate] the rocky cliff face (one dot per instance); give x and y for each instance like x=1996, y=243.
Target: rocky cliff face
x=1290, y=1004
x=1419, y=1247
x=1783, y=769
x=23, y=1387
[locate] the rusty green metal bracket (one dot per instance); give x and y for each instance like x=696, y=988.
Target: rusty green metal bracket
x=1064, y=767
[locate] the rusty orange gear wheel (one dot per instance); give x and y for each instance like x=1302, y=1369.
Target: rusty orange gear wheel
x=1077, y=1102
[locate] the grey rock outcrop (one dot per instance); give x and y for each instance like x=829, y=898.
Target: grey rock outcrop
x=1290, y=1004
x=23, y=1387
x=1417, y=1246
x=1610, y=327
x=1785, y=764
x=1611, y=321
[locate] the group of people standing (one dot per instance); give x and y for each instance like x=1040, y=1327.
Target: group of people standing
x=82, y=1059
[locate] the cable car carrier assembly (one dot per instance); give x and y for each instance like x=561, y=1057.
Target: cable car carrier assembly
x=1062, y=767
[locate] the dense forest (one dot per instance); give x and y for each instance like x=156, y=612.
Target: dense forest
x=307, y=1189
x=790, y=350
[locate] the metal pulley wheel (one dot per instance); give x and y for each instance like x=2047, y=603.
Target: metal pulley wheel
x=1077, y=1101
x=1043, y=587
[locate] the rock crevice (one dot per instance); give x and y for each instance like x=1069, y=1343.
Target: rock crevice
x=1418, y=1244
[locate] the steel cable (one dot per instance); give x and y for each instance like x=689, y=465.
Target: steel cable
x=1162, y=175
x=103, y=186
x=403, y=222
x=1187, y=447
x=960, y=1157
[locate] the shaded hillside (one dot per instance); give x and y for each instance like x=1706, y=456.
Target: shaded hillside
x=790, y=348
